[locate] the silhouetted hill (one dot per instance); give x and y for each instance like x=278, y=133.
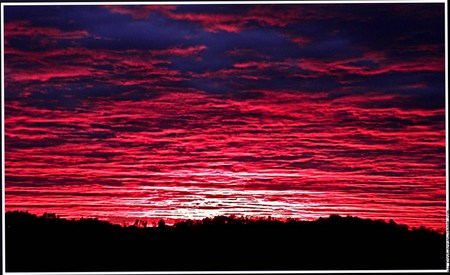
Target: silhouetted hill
x=222, y=243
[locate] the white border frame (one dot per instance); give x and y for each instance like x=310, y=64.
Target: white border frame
x=226, y=3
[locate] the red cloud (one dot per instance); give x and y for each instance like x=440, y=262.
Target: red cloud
x=183, y=149
x=262, y=15
x=211, y=22
x=139, y=12
x=341, y=67
x=195, y=50
x=23, y=28
x=253, y=64
x=139, y=66
x=282, y=152
x=48, y=73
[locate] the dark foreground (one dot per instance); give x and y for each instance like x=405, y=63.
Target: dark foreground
x=223, y=243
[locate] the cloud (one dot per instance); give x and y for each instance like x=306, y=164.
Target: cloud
x=249, y=15
x=46, y=74
x=183, y=52
x=24, y=28
x=139, y=12
x=300, y=40
x=195, y=110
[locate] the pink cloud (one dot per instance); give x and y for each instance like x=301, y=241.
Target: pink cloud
x=324, y=152
x=140, y=12
x=211, y=22
x=48, y=73
x=262, y=15
x=23, y=28
x=141, y=65
x=383, y=66
x=183, y=52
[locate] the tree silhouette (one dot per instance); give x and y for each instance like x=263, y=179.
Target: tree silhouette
x=219, y=243
x=161, y=224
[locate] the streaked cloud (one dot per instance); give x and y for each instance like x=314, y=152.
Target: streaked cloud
x=158, y=111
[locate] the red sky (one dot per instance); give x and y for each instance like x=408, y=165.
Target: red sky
x=176, y=112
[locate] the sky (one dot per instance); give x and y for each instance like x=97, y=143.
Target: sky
x=191, y=111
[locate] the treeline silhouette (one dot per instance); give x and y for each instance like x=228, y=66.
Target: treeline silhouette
x=49, y=243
